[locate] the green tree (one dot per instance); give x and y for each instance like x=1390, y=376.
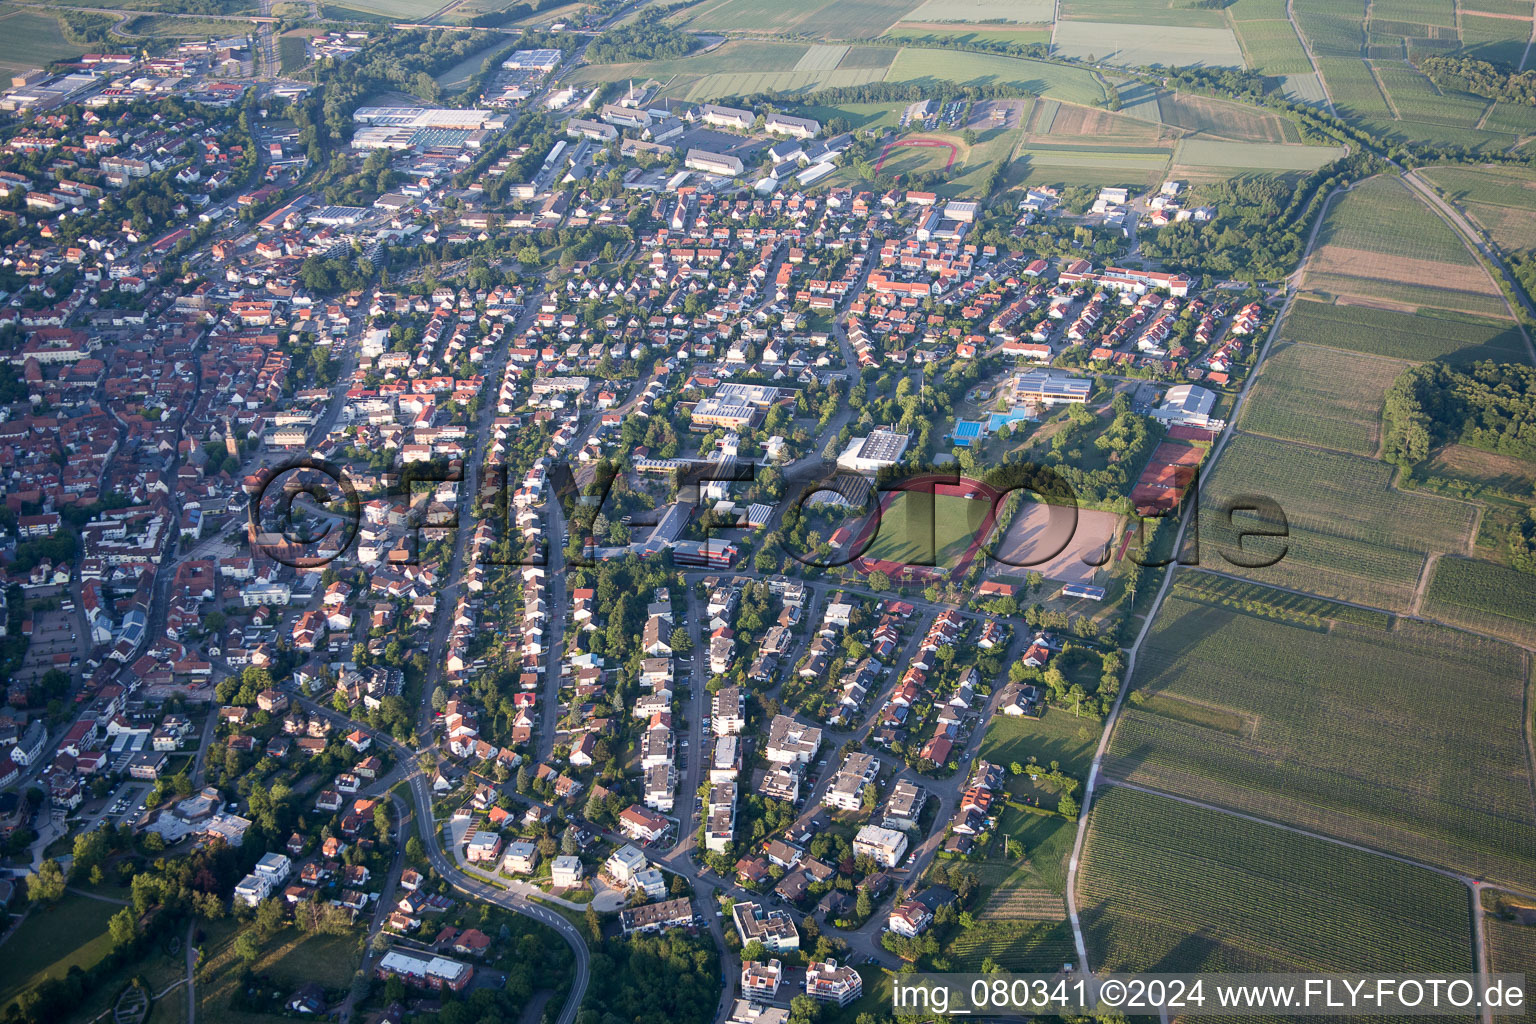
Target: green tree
x=123, y=928
x=47, y=886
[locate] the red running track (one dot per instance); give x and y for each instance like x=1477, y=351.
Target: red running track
x=925, y=143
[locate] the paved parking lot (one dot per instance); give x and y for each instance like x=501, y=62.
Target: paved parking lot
x=53, y=644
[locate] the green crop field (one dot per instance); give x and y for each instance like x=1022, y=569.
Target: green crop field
x=1379, y=243
x=1224, y=119
x=1272, y=47
x=1416, y=98
x=1024, y=946
x=1142, y=12
x=1353, y=88
x=1483, y=596
x=1257, y=10
x=1334, y=28
x=826, y=19
x=409, y=10
x=1321, y=396
x=922, y=529
x=1135, y=45
x=1511, y=949
x=1501, y=40
x=1087, y=165
x=1415, y=337
x=983, y=10
x=1259, y=156
x=1346, y=732
x=1501, y=199
x=1076, y=85
x=943, y=32
x=1267, y=602
x=1348, y=534
x=1512, y=118
x=1170, y=887
x=30, y=39
x=1419, y=12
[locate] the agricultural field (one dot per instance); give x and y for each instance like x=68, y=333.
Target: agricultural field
x=1277, y=157
x=1075, y=85
x=1346, y=535
x=1482, y=596
x=821, y=58
x=1037, y=164
x=1483, y=469
x=719, y=72
x=1224, y=119
x=1015, y=945
x=1057, y=122
x=1512, y=118
x=1380, y=244
x=1037, y=11
x=1267, y=602
x=1415, y=98
x=1137, y=45
x=1511, y=948
x=1321, y=396
x=826, y=19
x=406, y=10
x=923, y=529
x=30, y=39
x=1415, y=337
x=1142, y=12
x=1502, y=40
x=1333, y=28
x=1346, y=732
x=1170, y=887
x=1354, y=89
x=1501, y=199
x=955, y=32
x=1272, y=47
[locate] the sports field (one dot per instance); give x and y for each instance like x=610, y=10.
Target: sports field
x=1416, y=337
x=1489, y=598
x=1381, y=244
x=1345, y=731
x=1138, y=45
x=1351, y=535
x=1050, y=540
x=1170, y=887
x=1321, y=396
x=928, y=529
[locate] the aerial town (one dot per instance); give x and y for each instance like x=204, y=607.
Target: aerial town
x=560, y=541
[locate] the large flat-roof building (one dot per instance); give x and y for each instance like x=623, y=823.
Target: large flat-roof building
x=726, y=117
x=879, y=449
x=1051, y=389
x=424, y=970
x=713, y=163
x=545, y=60
x=798, y=127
